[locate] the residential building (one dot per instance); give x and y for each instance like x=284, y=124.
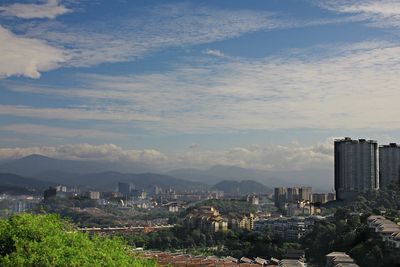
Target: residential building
x=305, y=193
x=242, y=221
x=293, y=194
x=319, y=198
x=206, y=218
x=253, y=199
x=389, y=165
x=124, y=189
x=95, y=195
x=356, y=167
x=289, y=228
x=61, y=188
x=339, y=259
x=291, y=263
x=331, y=196
x=280, y=195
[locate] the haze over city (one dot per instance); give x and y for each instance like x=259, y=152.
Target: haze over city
x=262, y=85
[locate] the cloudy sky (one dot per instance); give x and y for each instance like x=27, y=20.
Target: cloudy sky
x=260, y=84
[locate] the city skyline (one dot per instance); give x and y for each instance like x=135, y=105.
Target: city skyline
x=263, y=84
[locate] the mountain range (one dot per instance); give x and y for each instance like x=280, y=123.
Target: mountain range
x=105, y=175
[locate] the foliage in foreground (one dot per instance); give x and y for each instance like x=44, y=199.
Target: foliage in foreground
x=45, y=240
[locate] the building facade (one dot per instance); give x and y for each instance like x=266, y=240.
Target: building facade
x=124, y=189
x=356, y=167
x=280, y=195
x=389, y=165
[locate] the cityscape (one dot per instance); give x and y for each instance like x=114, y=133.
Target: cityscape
x=186, y=226
x=199, y=133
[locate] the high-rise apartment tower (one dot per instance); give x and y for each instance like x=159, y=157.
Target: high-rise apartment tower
x=356, y=167
x=389, y=165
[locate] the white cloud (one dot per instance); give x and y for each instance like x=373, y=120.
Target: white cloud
x=334, y=90
x=26, y=56
x=50, y=10
x=106, y=152
x=382, y=13
x=266, y=157
x=214, y=52
x=126, y=39
x=271, y=157
x=160, y=27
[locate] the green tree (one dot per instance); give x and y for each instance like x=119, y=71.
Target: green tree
x=45, y=240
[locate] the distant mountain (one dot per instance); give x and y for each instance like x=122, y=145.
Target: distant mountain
x=34, y=165
x=11, y=183
x=67, y=171
x=319, y=179
x=93, y=174
x=108, y=181
x=241, y=187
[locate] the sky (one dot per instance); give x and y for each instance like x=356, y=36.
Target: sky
x=263, y=84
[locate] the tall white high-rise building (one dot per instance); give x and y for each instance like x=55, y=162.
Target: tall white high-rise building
x=389, y=165
x=356, y=167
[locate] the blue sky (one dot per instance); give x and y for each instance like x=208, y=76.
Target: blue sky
x=260, y=84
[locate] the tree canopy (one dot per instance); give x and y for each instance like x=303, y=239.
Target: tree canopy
x=46, y=240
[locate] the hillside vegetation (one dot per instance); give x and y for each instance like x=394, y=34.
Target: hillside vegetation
x=46, y=240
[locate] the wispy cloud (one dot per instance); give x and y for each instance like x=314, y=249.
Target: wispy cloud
x=74, y=113
x=162, y=27
x=50, y=10
x=27, y=56
x=382, y=13
x=332, y=90
x=158, y=28
x=60, y=132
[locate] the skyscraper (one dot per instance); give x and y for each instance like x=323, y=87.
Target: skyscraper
x=280, y=195
x=124, y=189
x=389, y=165
x=305, y=193
x=356, y=167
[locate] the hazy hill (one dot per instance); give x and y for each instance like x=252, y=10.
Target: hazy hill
x=109, y=181
x=241, y=187
x=68, y=171
x=15, y=184
x=319, y=179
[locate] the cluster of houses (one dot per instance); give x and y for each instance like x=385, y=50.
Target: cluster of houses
x=209, y=219
x=291, y=259
x=288, y=228
x=386, y=230
x=339, y=259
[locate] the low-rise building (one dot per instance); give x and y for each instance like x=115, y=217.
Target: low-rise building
x=95, y=195
x=382, y=227
x=288, y=228
x=207, y=219
x=242, y=221
x=253, y=199
x=386, y=231
x=339, y=259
